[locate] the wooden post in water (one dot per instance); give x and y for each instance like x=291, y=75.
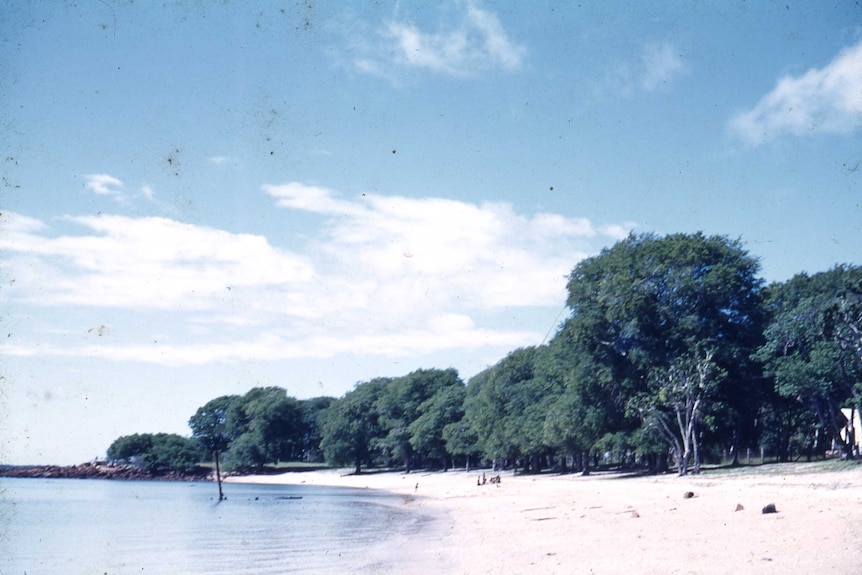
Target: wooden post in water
x=218, y=477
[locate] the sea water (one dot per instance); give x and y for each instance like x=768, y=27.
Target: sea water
x=74, y=526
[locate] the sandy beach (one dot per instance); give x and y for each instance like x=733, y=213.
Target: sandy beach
x=608, y=524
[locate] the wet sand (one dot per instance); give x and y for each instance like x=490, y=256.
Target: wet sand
x=611, y=524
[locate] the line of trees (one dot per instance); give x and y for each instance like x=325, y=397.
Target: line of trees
x=158, y=452
x=248, y=431
x=674, y=351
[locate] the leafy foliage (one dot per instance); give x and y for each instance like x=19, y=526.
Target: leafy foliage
x=351, y=425
x=647, y=304
x=157, y=453
x=811, y=349
x=444, y=408
x=311, y=433
x=262, y=426
x=509, y=403
x=673, y=345
x=673, y=404
x=209, y=424
x=400, y=405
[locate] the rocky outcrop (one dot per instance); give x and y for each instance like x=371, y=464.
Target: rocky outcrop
x=100, y=470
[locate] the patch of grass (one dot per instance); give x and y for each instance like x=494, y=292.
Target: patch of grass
x=790, y=468
x=298, y=465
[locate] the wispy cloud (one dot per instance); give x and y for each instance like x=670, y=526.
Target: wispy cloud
x=477, y=43
x=104, y=185
x=114, y=188
x=822, y=100
x=662, y=63
x=140, y=263
x=222, y=160
x=655, y=67
x=380, y=275
x=310, y=198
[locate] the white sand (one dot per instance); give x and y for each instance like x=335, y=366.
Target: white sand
x=611, y=525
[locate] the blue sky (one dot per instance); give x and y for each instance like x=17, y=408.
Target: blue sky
x=199, y=198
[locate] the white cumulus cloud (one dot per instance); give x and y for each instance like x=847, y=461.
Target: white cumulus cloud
x=386, y=276
x=416, y=252
x=142, y=263
x=822, y=100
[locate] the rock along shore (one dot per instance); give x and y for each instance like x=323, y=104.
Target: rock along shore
x=102, y=470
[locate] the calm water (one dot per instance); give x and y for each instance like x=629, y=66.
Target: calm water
x=59, y=526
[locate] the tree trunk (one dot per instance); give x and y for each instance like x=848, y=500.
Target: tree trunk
x=682, y=467
x=696, y=452
x=680, y=454
x=735, y=448
x=218, y=477
x=586, y=466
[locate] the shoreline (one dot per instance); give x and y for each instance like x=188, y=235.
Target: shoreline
x=609, y=524
x=99, y=470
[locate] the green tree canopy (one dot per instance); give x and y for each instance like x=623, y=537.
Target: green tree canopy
x=810, y=350
x=311, y=429
x=128, y=447
x=157, y=453
x=265, y=426
x=209, y=424
x=588, y=409
x=351, y=425
x=400, y=405
x=508, y=402
x=648, y=302
x=445, y=407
